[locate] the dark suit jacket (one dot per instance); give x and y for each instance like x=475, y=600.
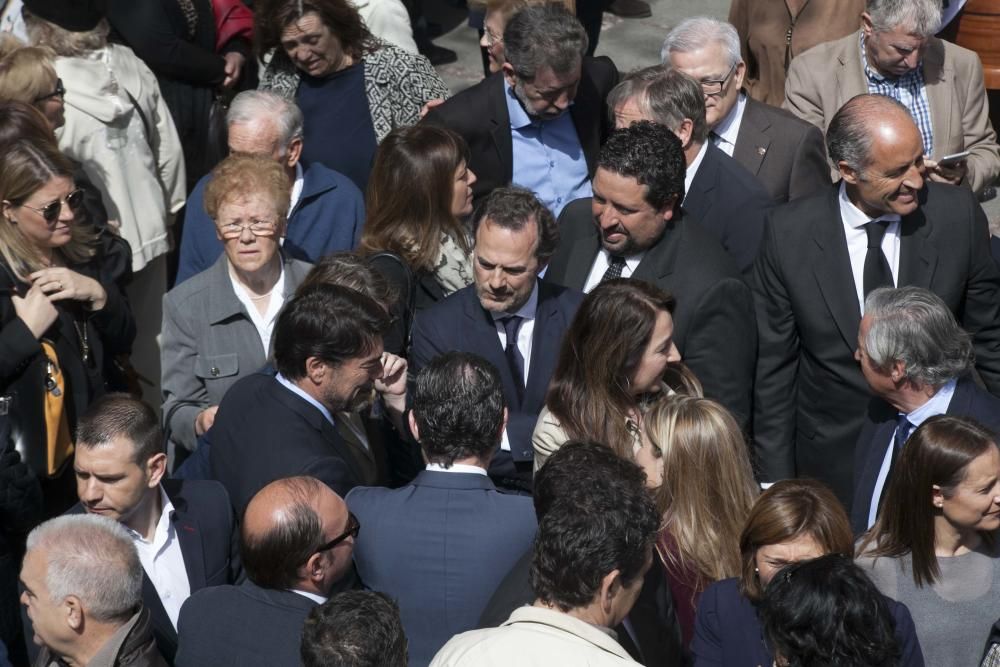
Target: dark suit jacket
x=653, y=636
x=728, y=201
x=439, y=547
x=480, y=115
x=810, y=396
x=264, y=432
x=713, y=323
x=876, y=437
x=728, y=633
x=461, y=323
x=208, y=535
x=784, y=152
x=241, y=626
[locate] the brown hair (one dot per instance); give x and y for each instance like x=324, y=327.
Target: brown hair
x=789, y=509
x=22, y=121
x=708, y=486
x=27, y=167
x=410, y=193
x=937, y=453
x=589, y=393
x=240, y=176
x=348, y=270
x=27, y=74
x=272, y=17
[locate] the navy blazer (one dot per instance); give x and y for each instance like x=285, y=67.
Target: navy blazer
x=461, y=323
x=876, y=435
x=727, y=632
x=208, y=534
x=729, y=202
x=439, y=546
x=265, y=432
x=245, y=626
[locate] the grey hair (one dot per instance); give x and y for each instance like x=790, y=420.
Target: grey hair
x=694, y=33
x=850, y=136
x=64, y=42
x=917, y=17
x=664, y=95
x=93, y=558
x=914, y=326
x=544, y=36
x=252, y=105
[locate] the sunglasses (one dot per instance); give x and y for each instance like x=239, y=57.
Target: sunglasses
x=52, y=210
x=60, y=91
x=353, y=528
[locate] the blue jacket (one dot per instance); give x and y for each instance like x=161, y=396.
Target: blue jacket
x=328, y=218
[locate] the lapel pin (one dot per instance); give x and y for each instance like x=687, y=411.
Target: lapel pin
x=761, y=150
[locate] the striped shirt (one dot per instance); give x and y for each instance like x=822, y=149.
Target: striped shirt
x=909, y=90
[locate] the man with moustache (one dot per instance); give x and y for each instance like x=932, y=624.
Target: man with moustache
x=884, y=225
x=634, y=227
x=329, y=358
x=515, y=235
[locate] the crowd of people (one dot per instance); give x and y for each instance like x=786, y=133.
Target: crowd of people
x=304, y=360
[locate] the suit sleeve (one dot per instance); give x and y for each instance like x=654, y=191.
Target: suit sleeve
x=425, y=344
x=721, y=346
x=906, y=636
x=775, y=385
x=184, y=394
x=980, y=139
x=981, y=314
x=810, y=166
x=198, y=233
x=334, y=472
x=706, y=645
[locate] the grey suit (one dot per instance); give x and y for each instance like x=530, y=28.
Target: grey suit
x=208, y=343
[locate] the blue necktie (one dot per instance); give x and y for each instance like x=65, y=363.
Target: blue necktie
x=903, y=430
x=511, y=326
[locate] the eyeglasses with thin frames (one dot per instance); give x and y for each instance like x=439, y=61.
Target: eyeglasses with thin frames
x=353, y=528
x=234, y=230
x=52, y=210
x=60, y=91
x=713, y=87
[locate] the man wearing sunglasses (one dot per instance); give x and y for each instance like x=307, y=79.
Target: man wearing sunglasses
x=297, y=540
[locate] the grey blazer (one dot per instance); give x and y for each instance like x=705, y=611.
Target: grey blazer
x=208, y=343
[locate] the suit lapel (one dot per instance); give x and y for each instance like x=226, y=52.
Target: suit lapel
x=545, y=345
x=482, y=329
x=500, y=131
x=162, y=626
x=698, y=202
x=832, y=268
x=189, y=537
x=659, y=261
x=937, y=80
x=850, y=75
x=752, y=141
x=917, y=256
x=581, y=259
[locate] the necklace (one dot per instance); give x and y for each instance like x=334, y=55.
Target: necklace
x=81, y=331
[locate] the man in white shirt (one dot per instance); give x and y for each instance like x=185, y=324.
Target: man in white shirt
x=297, y=539
x=915, y=359
x=441, y=545
x=184, y=531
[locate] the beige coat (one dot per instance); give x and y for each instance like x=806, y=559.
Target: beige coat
x=822, y=79
x=549, y=436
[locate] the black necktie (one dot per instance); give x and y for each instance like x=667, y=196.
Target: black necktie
x=877, y=272
x=903, y=430
x=614, y=269
x=511, y=325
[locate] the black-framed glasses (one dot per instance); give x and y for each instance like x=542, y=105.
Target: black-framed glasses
x=234, y=230
x=712, y=87
x=353, y=528
x=60, y=91
x=52, y=210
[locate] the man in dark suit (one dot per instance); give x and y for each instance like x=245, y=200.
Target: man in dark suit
x=329, y=359
x=539, y=123
x=721, y=196
x=882, y=226
x=440, y=545
x=185, y=531
x=296, y=540
x=515, y=235
x=784, y=152
x=634, y=227
x=915, y=359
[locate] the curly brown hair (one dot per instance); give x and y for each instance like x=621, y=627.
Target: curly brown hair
x=272, y=17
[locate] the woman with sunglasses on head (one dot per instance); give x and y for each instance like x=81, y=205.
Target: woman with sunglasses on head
x=61, y=315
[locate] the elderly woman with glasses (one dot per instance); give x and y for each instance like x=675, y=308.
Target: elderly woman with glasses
x=217, y=325
x=61, y=314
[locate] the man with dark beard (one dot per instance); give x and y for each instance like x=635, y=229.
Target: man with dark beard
x=634, y=227
x=329, y=359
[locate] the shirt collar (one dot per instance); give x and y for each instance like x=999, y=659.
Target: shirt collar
x=854, y=217
x=297, y=186
x=162, y=525
x=299, y=391
x=519, y=118
x=526, y=311
x=936, y=405
x=729, y=127
x=318, y=599
x=457, y=467
x=692, y=169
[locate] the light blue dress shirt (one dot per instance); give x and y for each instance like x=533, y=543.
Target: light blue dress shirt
x=548, y=157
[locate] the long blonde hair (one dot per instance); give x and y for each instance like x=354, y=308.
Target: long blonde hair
x=708, y=486
x=28, y=166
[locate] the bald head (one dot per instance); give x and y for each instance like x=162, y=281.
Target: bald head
x=285, y=526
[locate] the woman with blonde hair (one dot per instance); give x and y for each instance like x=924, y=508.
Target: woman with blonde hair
x=697, y=462
x=27, y=75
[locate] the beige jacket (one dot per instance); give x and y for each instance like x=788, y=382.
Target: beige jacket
x=549, y=436
x=822, y=79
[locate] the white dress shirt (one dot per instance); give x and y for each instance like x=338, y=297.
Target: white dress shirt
x=692, y=169
x=857, y=242
x=297, y=186
x=457, y=467
x=728, y=128
x=601, y=264
x=318, y=599
x=264, y=324
x=937, y=405
x=163, y=561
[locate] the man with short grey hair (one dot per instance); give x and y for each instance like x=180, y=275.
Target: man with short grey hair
x=916, y=360
x=785, y=153
x=541, y=121
x=82, y=585
x=720, y=195
x=327, y=209
x=896, y=54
